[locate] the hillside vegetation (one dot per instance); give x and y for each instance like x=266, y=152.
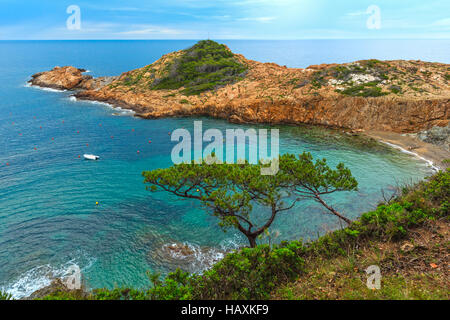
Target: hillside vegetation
x=205, y=66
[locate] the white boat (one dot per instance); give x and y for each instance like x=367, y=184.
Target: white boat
x=91, y=157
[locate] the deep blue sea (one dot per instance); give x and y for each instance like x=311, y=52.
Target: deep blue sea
x=49, y=219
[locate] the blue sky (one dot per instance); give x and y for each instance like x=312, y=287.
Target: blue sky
x=225, y=19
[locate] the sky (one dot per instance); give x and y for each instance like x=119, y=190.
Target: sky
x=224, y=19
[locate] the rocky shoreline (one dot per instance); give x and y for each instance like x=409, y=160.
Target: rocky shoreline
x=392, y=97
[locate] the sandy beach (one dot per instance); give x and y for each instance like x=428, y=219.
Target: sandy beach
x=414, y=146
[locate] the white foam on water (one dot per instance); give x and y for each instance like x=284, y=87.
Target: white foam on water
x=203, y=258
x=231, y=243
x=197, y=259
x=123, y=111
x=120, y=111
x=29, y=85
x=98, y=103
x=429, y=162
x=40, y=277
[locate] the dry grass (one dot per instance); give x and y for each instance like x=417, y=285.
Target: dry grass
x=415, y=268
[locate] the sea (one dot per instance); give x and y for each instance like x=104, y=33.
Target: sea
x=58, y=210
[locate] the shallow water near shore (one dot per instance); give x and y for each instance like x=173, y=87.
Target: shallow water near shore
x=49, y=219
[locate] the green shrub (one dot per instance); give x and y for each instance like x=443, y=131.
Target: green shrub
x=205, y=66
x=364, y=90
x=395, y=89
x=250, y=273
x=176, y=286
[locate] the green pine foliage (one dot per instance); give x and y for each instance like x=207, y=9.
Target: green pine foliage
x=205, y=66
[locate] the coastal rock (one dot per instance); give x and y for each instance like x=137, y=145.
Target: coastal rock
x=65, y=78
x=56, y=286
x=387, y=95
x=179, y=250
x=439, y=136
x=186, y=256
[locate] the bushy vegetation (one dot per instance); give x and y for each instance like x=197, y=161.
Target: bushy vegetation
x=250, y=273
x=368, y=89
x=396, y=89
x=254, y=273
x=205, y=66
x=344, y=73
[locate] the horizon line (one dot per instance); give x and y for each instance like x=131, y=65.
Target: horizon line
x=225, y=39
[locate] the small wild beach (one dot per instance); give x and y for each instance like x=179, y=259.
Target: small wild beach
x=99, y=215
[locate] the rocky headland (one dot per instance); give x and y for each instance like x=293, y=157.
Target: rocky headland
x=401, y=97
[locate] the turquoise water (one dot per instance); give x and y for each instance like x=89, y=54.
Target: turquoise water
x=49, y=219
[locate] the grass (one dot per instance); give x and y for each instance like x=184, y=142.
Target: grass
x=327, y=284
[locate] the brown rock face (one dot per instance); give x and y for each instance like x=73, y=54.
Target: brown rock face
x=65, y=78
x=55, y=287
x=398, y=96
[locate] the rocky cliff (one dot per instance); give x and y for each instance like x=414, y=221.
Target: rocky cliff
x=398, y=96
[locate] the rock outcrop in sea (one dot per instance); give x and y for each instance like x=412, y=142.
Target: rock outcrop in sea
x=397, y=96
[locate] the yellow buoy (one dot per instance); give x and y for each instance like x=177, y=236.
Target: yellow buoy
x=96, y=203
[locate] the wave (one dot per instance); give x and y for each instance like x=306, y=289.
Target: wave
x=193, y=257
x=29, y=85
x=123, y=111
x=119, y=111
x=429, y=162
x=190, y=256
x=41, y=276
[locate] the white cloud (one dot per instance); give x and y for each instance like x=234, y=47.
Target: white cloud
x=258, y=19
x=152, y=30
x=356, y=13
x=442, y=22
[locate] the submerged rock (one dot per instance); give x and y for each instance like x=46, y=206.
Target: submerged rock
x=180, y=250
x=186, y=256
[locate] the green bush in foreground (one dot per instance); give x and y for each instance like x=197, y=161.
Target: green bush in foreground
x=250, y=273
x=253, y=273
